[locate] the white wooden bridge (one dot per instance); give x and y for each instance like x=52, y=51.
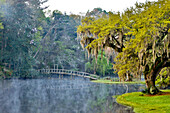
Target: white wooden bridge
x=67, y=72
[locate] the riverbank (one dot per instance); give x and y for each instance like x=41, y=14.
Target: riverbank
x=146, y=103
x=113, y=82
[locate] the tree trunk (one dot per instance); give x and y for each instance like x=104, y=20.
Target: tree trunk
x=94, y=68
x=153, y=72
x=128, y=77
x=150, y=83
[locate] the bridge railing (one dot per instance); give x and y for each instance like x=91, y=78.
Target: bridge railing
x=63, y=71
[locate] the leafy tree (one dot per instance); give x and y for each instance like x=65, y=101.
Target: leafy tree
x=59, y=45
x=96, y=13
x=103, y=34
x=140, y=35
x=163, y=80
x=148, y=51
x=102, y=67
x=29, y=40
x=20, y=21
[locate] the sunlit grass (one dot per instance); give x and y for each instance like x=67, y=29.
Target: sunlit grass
x=146, y=104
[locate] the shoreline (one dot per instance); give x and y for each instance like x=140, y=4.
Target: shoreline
x=113, y=82
x=146, y=103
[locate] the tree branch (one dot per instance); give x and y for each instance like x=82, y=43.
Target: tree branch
x=43, y=39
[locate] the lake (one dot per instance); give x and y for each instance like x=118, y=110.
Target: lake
x=66, y=95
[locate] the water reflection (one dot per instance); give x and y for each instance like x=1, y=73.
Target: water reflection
x=61, y=96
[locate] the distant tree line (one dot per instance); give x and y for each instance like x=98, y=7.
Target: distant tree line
x=33, y=38
x=29, y=40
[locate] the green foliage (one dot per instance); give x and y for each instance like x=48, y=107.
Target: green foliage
x=59, y=45
x=5, y=72
x=1, y=26
x=146, y=28
x=139, y=36
x=31, y=41
x=20, y=23
x=163, y=80
x=101, y=67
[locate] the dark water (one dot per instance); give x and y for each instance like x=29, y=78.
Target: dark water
x=61, y=96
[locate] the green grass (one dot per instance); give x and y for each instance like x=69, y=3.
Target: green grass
x=146, y=104
x=112, y=82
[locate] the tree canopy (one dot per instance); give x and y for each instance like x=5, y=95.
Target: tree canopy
x=140, y=36
x=29, y=40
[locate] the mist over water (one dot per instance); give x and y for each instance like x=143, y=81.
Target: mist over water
x=66, y=95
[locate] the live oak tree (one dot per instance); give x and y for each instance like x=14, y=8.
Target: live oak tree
x=156, y=53
x=140, y=35
x=106, y=33
x=148, y=51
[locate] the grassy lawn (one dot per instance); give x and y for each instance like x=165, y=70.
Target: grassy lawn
x=146, y=104
x=112, y=82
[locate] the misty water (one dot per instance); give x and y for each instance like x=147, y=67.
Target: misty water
x=66, y=95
